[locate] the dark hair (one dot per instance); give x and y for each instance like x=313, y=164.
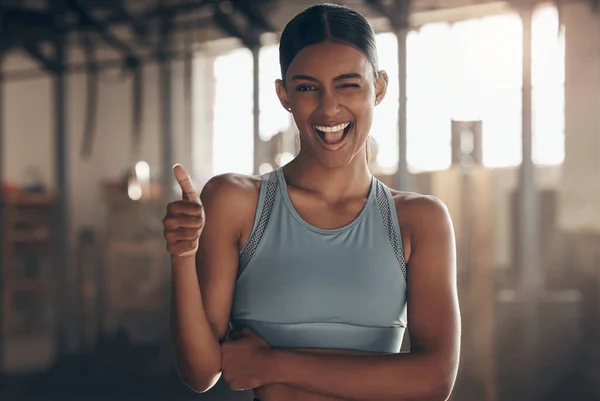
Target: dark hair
x=324, y=22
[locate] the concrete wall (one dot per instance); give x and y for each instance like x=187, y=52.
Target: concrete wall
x=28, y=153
x=29, y=134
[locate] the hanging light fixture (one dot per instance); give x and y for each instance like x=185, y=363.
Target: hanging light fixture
x=138, y=185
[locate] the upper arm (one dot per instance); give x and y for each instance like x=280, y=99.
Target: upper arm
x=433, y=308
x=227, y=200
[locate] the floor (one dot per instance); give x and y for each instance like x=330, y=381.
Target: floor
x=113, y=370
x=14, y=391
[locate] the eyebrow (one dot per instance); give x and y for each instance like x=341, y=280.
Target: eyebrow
x=338, y=78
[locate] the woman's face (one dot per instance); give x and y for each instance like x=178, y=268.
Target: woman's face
x=331, y=90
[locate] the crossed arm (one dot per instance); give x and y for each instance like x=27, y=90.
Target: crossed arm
x=427, y=373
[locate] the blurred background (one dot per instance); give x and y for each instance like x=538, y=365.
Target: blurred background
x=492, y=106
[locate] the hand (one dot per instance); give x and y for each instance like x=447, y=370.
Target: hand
x=245, y=360
x=184, y=220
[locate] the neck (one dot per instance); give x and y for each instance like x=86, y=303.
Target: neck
x=348, y=181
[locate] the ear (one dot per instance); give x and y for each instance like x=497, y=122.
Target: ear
x=282, y=94
x=381, y=85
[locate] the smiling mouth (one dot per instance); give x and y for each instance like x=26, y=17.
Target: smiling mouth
x=333, y=135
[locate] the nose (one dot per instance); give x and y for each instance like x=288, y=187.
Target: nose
x=329, y=105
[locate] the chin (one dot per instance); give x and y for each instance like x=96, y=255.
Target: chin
x=338, y=159
x=334, y=163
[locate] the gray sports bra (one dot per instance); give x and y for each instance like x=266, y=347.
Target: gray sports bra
x=300, y=286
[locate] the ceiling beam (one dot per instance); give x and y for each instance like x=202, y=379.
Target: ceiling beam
x=249, y=37
x=255, y=15
x=398, y=14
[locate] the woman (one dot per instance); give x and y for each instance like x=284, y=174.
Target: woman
x=316, y=264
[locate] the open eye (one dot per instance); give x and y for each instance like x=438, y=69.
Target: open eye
x=305, y=88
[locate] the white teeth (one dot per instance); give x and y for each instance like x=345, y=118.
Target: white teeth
x=336, y=128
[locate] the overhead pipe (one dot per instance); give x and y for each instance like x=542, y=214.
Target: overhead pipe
x=137, y=107
x=91, y=111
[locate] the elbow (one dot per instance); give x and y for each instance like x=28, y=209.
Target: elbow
x=197, y=370
x=201, y=385
x=200, y=382
x=440, y=391
x=440, y=386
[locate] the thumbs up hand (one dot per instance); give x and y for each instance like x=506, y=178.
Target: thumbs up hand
x=184, y=220
x=185, y=182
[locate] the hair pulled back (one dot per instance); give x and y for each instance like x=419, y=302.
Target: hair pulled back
x=325, y=22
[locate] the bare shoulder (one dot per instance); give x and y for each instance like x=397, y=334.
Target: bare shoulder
x=419, y=215
x=231, y=194
x=420, y=207
x=231, y=188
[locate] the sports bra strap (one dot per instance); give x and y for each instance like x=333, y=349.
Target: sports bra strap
x=387, y=209
x=266, y=198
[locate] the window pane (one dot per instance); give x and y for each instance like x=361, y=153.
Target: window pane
x=548, y=125
x=428, y=88
x=385, y=118
x=233, y=143
x=502, y=127
x=501, y=83
x=273, y=117
x=548, y=80
x=548, y=49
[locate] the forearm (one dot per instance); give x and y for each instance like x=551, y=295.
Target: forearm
x=196, y=347
x=398, y=377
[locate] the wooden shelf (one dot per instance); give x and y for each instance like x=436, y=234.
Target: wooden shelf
x=28, y=287
x=32, y=235
x=28, y=199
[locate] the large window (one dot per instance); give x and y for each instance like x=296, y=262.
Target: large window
x=233, y=133
x=273, y=117
x=548, y=81
x=385, y=118
x=471, y=70
x=233, y=144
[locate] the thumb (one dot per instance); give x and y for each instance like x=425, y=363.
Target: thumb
x=185, y=182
